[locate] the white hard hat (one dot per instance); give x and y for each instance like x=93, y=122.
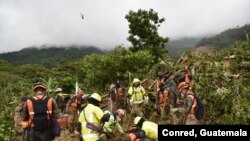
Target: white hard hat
x=58, y=90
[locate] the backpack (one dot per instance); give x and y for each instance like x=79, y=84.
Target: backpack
x=199, y=108
x=139, y=133
x=41, y=118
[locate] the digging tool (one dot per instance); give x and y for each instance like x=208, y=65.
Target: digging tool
x=132, y=109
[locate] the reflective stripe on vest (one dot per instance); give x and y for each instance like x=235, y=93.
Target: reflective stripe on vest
x=89, y=136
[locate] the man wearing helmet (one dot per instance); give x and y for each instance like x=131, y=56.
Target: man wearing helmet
x=150, y=128
x=112, y=120
x=90, y=119
x=60, y=100
x=137, y=95
x=73, y=106
x=117, y=97
x=40, y=109
x=189, y=103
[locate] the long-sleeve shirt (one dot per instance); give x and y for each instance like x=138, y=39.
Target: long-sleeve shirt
x=112, y=123
x=92, y=114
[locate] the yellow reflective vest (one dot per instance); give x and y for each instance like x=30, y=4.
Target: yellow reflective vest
x=151, y=130
x=93, y=115
x=136, y=94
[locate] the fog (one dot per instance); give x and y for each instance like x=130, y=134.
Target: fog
x=26, y=23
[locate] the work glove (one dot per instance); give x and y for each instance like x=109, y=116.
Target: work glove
x=145, y=101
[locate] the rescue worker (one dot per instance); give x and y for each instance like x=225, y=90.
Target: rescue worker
x=74, y=105
x=117, y=97
x=163, y=100
x=150, y=128
x=183, y=75
x=40, y=109
x=157, y=82
x=189, y=104
x=136, y=134
x=137, y=96
x=18, y=117
x=112, y=121
x=60, y=100
x=90, y=119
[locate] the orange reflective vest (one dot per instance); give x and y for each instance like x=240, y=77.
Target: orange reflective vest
x=163, y=98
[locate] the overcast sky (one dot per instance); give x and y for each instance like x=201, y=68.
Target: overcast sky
x=25, y=23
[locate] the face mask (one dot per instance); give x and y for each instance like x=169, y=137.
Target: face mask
x=136, y=84
x=39, y=92
x=118, y=118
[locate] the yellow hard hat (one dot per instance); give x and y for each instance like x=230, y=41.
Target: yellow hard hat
x=96, y=96
x=137, y=119
x=136, y=80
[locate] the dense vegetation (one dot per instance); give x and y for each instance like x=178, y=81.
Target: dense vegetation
x=226, y=97
x=220, y=80
x=226, y=38
x=143, y=32
x=94, y=73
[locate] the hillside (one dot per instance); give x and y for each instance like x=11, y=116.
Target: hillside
x=226, y=38
x=176, y=47
x=53, y=55
x=221, y=82
x=48, y=55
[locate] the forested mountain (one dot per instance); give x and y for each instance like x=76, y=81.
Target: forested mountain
x=220, y=80
x=220, y=41
x=48, y=55
x=53, y=55
x=176, y=47
x=226, y=38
